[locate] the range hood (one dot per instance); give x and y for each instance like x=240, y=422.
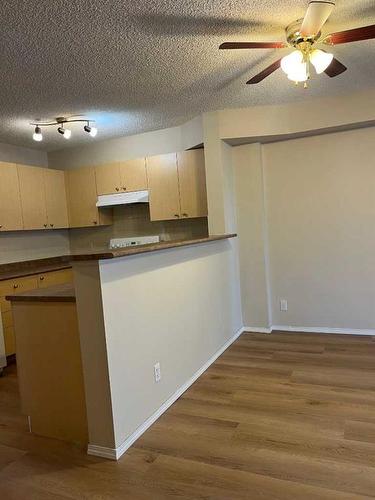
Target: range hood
x=110, y=200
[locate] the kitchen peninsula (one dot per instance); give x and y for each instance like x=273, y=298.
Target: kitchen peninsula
x=168, y=306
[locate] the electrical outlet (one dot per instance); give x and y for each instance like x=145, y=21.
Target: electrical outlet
x=283, y=305
x=157, y=372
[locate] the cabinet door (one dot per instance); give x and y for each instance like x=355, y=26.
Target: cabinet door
x=192, y=180
x=57, y=210
x=163, y=186
x=108, y=179
x=33, y=199
x=82, y=197
x=52, y=278
x=10, y=201
x=133, y=175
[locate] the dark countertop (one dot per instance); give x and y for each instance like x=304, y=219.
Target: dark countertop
x=57, y=293
x=36, y=266
x=30, y=267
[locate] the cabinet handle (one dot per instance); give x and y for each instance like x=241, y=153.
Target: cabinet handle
x=41, y=278
x=1, y=226
x=176, y=215
x=15, y=286
x=185, y=215
x=51, y=225
x=117, y=189
x=124, y=188
x=45, y=225
x=94, y=221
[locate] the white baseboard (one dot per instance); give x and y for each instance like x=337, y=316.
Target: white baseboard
x=309, y=329
x=116, y=453
x=323, y=329
x=256, y=329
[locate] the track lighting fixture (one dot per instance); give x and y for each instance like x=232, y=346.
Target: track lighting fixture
x=65, y=132
x=90, y=130
x=37, y=135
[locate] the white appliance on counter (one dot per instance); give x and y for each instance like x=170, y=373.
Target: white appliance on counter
x=132, y=242
x=110, y=200
x=3, y=359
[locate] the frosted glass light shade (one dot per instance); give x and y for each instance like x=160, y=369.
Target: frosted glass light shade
x=320, y=60
x=299, y=74
x=292, y=62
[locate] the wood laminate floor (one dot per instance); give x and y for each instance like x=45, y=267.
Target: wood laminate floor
x=280, y=416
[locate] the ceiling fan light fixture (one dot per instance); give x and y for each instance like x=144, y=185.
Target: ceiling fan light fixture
x=292, y=62
x=300, y=74
x=320, y=60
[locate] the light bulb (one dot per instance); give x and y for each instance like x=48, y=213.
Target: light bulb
x=37, y=135
x=91, y=130
x=320, y=60
x=292, y=62
x=65, y=132
x=299, y=74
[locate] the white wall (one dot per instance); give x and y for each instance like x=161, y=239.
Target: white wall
x=320, y=215
x=177, y=307
x=150, y=143
x=24, y=156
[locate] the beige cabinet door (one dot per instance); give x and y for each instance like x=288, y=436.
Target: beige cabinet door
x=10, y=201
x=33, y=199
x=163, y=186
x=82, y=197
x=56, y=205
x=192, y=180
x=108, y=179
x=133, y=175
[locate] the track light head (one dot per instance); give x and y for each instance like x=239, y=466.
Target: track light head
x=65, y=132
x=90, y=130
x=37, y=135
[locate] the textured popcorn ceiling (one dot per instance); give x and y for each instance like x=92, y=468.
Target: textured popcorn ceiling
x=147, y=64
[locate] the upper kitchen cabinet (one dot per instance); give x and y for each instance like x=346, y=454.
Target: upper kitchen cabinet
x=133, y=175
x=33, y=201
x=10, y=201
x=177, y=184
x=82, y=197
x=192, y=182
x=129, y=175
x=163, y=186
x=55, y=195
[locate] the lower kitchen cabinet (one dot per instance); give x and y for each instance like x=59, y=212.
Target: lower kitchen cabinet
x=18, y=285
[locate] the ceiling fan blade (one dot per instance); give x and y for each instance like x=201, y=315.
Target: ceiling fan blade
x=253, y=45
x=266, y=72
x=316, y=16
x=335, y=68
x=354, y=35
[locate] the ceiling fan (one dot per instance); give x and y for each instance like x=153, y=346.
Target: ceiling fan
x=303, y=35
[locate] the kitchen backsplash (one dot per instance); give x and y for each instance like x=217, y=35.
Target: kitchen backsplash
x=134, y=220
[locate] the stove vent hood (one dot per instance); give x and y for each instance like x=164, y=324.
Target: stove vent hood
x=110, y=200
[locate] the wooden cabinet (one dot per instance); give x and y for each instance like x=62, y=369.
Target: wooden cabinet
x=163, y=185
x=33, y=201
x=133, y=175
x=192, y=182
x=18, y=285
x=82, y=197
x=43, y=198
x=55, y=196
x=10, y=201
x=177, y=185
x=129, y=175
